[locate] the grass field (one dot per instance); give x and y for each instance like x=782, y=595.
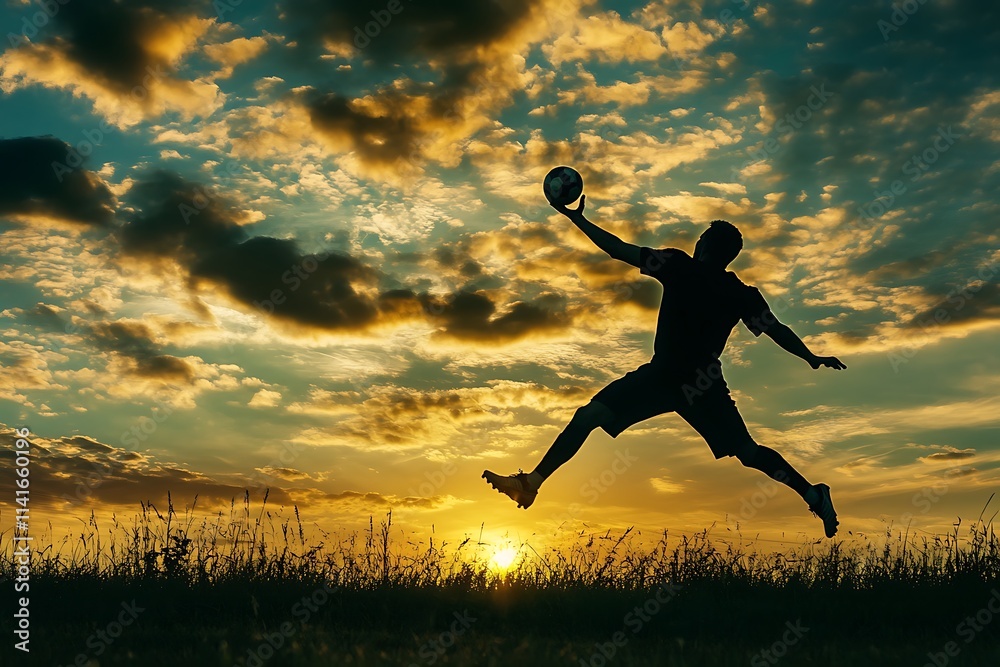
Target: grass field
x=250, y=589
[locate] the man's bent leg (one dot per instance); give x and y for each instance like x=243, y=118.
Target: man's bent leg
x=717, y=419
x=774, y=465
x=568, y=443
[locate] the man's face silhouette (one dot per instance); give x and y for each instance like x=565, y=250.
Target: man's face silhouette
x=703, y=248
x=708, y=249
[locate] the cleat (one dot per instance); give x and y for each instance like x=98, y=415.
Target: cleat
x=823, y=508
x=516, y=487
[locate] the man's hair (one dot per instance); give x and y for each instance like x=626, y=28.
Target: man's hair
x=725, y=239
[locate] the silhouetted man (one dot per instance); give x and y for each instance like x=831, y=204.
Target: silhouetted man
x=701, y=304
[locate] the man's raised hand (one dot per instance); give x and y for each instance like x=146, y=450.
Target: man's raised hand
x=570, y=213
x=829, y=362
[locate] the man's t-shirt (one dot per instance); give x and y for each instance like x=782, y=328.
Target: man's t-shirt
x=701, y=304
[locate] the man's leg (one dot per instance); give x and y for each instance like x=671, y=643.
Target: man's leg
x=568, y=443
x=772, y=464
x=715, y=416
x=628, y=400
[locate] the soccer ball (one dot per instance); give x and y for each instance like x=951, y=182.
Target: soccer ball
x=563, y=185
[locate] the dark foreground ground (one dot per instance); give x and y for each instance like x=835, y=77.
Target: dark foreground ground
x=165, y=592
x=163, y=621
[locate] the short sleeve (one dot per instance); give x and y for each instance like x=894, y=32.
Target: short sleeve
x=658, y=263
x=755, y=312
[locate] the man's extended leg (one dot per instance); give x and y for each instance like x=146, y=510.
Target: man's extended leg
x=774, y=465
x=715, y=416
x=568, y=443
x=523, y=487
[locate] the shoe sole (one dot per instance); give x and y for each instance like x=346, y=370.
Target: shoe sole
x=492, y=482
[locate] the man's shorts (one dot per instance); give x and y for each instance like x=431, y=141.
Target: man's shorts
x=701, y=398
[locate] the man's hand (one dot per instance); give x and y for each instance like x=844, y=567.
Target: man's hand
x=829, y=362
x=573, y=214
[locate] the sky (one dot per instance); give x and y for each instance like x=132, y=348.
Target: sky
x=302, y=246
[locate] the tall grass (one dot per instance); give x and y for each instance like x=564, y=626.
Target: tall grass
x=257, y=544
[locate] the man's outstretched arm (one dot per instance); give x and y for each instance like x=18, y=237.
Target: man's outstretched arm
x=789, y=341
x=603, y=239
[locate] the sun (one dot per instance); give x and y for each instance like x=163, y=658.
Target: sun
x=504, y=558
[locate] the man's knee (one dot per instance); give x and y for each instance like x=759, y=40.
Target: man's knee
x=746, y=452
x=592, y=415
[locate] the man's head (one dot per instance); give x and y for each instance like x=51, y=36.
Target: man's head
x=719, y=244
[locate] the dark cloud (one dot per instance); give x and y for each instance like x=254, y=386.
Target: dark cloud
x=88, y=444
x=380, y=500
x=454, y=43
x=179, y=220
x=473, y=315
x=274, y=275
x=378, y=138
x=45, y=316
x=430, y=30
x=977, y=301
x=80, y=470
x=115, y=40
x=133, y=341
x=950, y=454
x=36, y=179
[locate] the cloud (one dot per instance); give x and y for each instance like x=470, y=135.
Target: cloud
x=37, y=184
x=121, y=56
x=473, y=316
x=607, y=38
x=475, y=57
x=132, y=340
x=172, y=219
x=265, y=398
x=949, y=454
x=235, y=52
x=397, y=418
x=73, y=471
x=726, y=188
x=665, y=485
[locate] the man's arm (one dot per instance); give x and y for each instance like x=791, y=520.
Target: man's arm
x=789, y=341
x=603, y=239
